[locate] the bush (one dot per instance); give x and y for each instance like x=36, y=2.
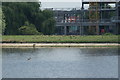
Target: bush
x=108, y=34
x=29, y=30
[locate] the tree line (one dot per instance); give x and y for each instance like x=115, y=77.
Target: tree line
x=26, y=18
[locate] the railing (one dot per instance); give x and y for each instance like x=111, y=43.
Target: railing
x=116, y=19
x=77, y=8
x=91, y=8
x=62, y=9
x=100, y=8
x=85, y=20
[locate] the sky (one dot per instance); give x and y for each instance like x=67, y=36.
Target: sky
x=63, y=4
x=60, y=3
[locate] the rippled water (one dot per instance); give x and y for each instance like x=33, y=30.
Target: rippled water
x=60, y=63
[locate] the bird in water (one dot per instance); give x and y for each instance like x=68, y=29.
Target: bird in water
x=29, y=58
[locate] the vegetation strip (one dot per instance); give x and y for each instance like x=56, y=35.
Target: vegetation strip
x=60, y=39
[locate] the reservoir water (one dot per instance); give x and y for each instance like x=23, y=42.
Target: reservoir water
x=60, y=63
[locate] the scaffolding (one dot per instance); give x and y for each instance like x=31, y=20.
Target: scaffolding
x=94, y=17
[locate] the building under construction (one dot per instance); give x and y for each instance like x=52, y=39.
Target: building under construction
x=101, y=16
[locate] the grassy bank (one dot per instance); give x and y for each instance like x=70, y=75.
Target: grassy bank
x=59, y=39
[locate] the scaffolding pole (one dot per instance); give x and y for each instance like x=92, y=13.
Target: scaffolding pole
x=93, y=17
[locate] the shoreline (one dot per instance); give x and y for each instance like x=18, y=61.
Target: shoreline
x=34, y=45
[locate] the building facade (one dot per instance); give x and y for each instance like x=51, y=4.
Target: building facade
x=102, y=16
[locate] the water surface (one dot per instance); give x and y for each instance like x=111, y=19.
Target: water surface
x=60, y=63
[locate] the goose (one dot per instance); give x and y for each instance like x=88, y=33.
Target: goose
x=29, y=58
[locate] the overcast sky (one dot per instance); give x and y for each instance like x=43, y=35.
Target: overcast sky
x=60, y=3
x=63, y=4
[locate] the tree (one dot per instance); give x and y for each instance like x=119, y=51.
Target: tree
x=47, y=13
x=18, y=14
x=49, y=26
x=21, y=12
x=39, y=19
x=2, y=22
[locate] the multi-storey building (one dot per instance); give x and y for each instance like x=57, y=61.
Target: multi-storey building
x=101, y=16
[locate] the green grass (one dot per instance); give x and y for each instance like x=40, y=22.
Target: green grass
x=60, y=39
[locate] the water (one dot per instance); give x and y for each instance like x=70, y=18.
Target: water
x=60, y=63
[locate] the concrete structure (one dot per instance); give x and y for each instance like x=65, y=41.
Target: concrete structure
x=99, y=18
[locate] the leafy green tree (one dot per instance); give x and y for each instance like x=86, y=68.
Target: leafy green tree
x=39, y=19
x=49, y=26
x=21, y=12
x=18, y=14
x=47, y=13
x=2, y=22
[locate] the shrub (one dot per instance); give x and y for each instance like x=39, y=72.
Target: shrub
x=29, y=30
x=108, y=34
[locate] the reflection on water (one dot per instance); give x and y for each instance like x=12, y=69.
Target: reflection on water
x=0, y=63
x=60, y=62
